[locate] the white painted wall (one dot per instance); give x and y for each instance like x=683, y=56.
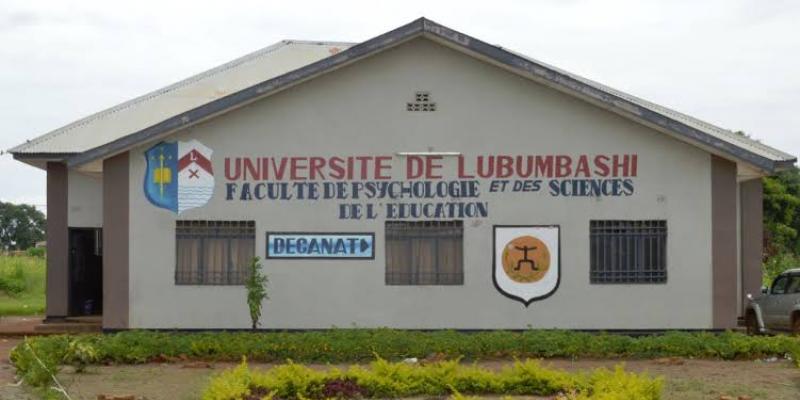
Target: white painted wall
x=360, y=109
x=84, y=200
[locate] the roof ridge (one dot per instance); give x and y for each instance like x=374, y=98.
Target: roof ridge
x=698, y=132
x=319, y=42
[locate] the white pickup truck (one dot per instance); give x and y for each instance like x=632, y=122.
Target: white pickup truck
x=778, y=308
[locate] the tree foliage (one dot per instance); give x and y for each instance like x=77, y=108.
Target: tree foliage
x=21, y=226
x=781, y=223
x=782, y=212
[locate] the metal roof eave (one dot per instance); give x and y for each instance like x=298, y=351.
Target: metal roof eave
x=784, y=165
x=253, y=93
x=40, y=160
x=565, y=83
x=459, y=41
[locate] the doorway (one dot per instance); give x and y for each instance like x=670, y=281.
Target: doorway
x=85, y=271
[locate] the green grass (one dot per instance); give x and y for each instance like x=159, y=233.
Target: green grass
x=22, y=285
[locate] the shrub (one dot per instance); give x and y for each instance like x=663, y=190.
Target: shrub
x=80, y=354
x=392, y=380
x=621, y=385
x=22, y=284
x=38, y=252
x=231, y=384
x=21, y=274
x=357, y=345
x=256, y=285
x=37, y=373
x=12, y=278
x=776, y=264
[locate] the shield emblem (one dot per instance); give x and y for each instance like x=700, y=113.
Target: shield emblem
x=179, y=175
x=527, y=261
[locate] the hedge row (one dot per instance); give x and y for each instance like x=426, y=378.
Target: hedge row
x=383, y=379
x=344, y=345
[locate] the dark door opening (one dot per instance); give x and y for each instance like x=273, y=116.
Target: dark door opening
x=85, y=271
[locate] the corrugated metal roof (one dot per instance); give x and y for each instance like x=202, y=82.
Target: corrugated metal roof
x=149, y=109
x=722, y=133
x=261, y=73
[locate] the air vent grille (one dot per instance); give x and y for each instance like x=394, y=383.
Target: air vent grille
x=422, y=103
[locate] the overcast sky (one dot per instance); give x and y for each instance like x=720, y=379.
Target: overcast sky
x=735, y=63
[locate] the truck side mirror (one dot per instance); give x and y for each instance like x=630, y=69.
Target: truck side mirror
x=764, y=290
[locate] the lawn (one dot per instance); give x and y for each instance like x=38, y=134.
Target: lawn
x=22, y=285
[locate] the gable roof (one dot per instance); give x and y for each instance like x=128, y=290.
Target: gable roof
x=289, y=63
x=139, y=113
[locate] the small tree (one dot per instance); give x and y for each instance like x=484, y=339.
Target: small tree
x=256, y=285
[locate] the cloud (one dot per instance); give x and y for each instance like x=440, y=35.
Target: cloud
x=732, y=62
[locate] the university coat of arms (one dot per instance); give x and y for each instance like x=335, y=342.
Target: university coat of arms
x=179, y=176
x=526, y=261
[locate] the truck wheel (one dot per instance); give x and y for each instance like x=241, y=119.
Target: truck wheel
x=796, y=323
x=751, y=323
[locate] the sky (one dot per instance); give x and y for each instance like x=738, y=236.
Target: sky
x=734, y=63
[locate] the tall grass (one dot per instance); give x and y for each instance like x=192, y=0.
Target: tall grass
x=22, y=285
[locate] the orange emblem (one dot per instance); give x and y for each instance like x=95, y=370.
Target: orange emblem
x=526, y=259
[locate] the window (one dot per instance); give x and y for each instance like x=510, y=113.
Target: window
x=628, y=251
x=779, y=286
x=213, y=252
x=794, y=285
x=424, y=253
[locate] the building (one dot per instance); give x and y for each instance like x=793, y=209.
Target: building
x=421, y=179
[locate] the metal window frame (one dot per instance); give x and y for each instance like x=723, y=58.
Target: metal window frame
x=628, y=251
x=416, y=231
x=196, y=275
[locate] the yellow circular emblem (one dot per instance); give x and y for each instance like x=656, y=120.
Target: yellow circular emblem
x=526, y=259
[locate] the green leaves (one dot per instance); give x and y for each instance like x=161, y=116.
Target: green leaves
x=781, y=222
x=781, y=217
x=358, y=345
x=382, y=379
x=256, y=285
x=21, y=226
x=80, y=354
x=37, y=361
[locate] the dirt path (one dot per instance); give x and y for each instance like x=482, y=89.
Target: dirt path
x=8, y=389
x=709, y=379
x=6, y=370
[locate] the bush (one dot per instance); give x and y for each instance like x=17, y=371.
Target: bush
x=383, y=379
x=22, y=284
x=38, y=252
x=12, y=281
x=776, y=264
x=24, y=357
x=256, y=285
x=358, y=345
x=80, y=354
x=20, y=274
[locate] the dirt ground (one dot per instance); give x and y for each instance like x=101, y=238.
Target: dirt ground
x=685, y=379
